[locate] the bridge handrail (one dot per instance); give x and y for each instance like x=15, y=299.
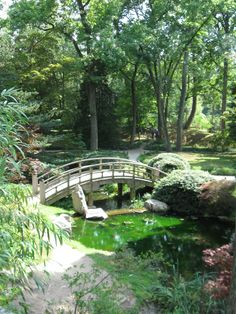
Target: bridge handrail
x=80, y=161
x=83, y=169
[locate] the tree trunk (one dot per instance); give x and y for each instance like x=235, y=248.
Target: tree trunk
x=224, y=93
x=232, y=297
x=194, y=107
x=162, y=126
x=93, y=116
x=134, y=105
x=182, y=103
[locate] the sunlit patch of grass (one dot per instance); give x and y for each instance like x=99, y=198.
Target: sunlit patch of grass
x=214, y=163
x=217, y=164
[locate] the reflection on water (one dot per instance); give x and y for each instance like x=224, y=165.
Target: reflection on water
x=181, y=240
x=112, y=203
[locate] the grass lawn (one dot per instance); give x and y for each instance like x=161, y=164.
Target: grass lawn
x=216, y=163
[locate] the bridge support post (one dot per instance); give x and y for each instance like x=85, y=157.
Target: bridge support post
x=120, y=190
x=42, y=192
x=90, y=199
x=132, y=192
x=35, y=182
x=120, y=194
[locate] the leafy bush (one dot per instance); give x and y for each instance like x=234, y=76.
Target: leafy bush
x=197, y=137
x=154, y=145
x=181, y=190
x=222, y=260
x=137, y=203
x=220, y=140
x=219, y=197
x=179, y=295
x=105, y=153
x=23, y=173
x=22, y=238
x=23, y=229
x=65, y=141
x=168, y=162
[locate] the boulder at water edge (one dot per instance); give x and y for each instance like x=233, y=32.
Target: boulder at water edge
x=63, y=222
x=156, y=206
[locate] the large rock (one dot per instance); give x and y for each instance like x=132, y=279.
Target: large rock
x=79, y=201
x=63, y=222
x=96, y=213
x=156, y=206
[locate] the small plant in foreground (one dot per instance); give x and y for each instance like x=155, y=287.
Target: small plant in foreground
x=95, y=292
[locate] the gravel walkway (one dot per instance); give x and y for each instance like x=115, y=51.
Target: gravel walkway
x=133, y=154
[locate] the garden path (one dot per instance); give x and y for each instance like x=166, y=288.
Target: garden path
x=133, y=154
x=57, y=296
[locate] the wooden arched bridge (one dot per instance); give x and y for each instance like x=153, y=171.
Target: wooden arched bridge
x=90, y=174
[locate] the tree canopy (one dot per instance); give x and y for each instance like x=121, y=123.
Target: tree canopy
x=109, y=68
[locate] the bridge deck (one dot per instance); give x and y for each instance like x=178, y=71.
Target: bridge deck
x=92, y=176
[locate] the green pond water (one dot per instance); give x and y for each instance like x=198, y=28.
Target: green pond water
x=181, y=240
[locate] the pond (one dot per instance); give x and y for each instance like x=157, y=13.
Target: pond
x=181, y=240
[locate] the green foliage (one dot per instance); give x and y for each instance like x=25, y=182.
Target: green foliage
x=181, y=190
x=232, y=125
x=105, y=153
x=182, y=296
x=216, y=164
x=25, y=233
x=197, y=137
x=95, y=292
x=220, y=140
x=11, y=119
x=65, y=142
x=154, y=145
x=168, y=162
x=140, y=272
x=153, y=280
x=137, y=203
x=204, y=159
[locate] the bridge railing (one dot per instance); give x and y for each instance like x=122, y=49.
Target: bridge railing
x=79, y=164
x=54, y=173
x=114, y=169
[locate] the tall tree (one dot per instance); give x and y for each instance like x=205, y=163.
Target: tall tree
x=86, y=24
x=180, y=121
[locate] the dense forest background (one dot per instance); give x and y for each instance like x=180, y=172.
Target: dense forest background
x=93, y=72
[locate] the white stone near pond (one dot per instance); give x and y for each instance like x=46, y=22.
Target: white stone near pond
x=96, y=213
x=79, y=201
x=80, y=205
x=156, y=206
x=63, y=222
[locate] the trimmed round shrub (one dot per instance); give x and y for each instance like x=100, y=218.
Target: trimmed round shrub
x=181, y=190
x=168, y=162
